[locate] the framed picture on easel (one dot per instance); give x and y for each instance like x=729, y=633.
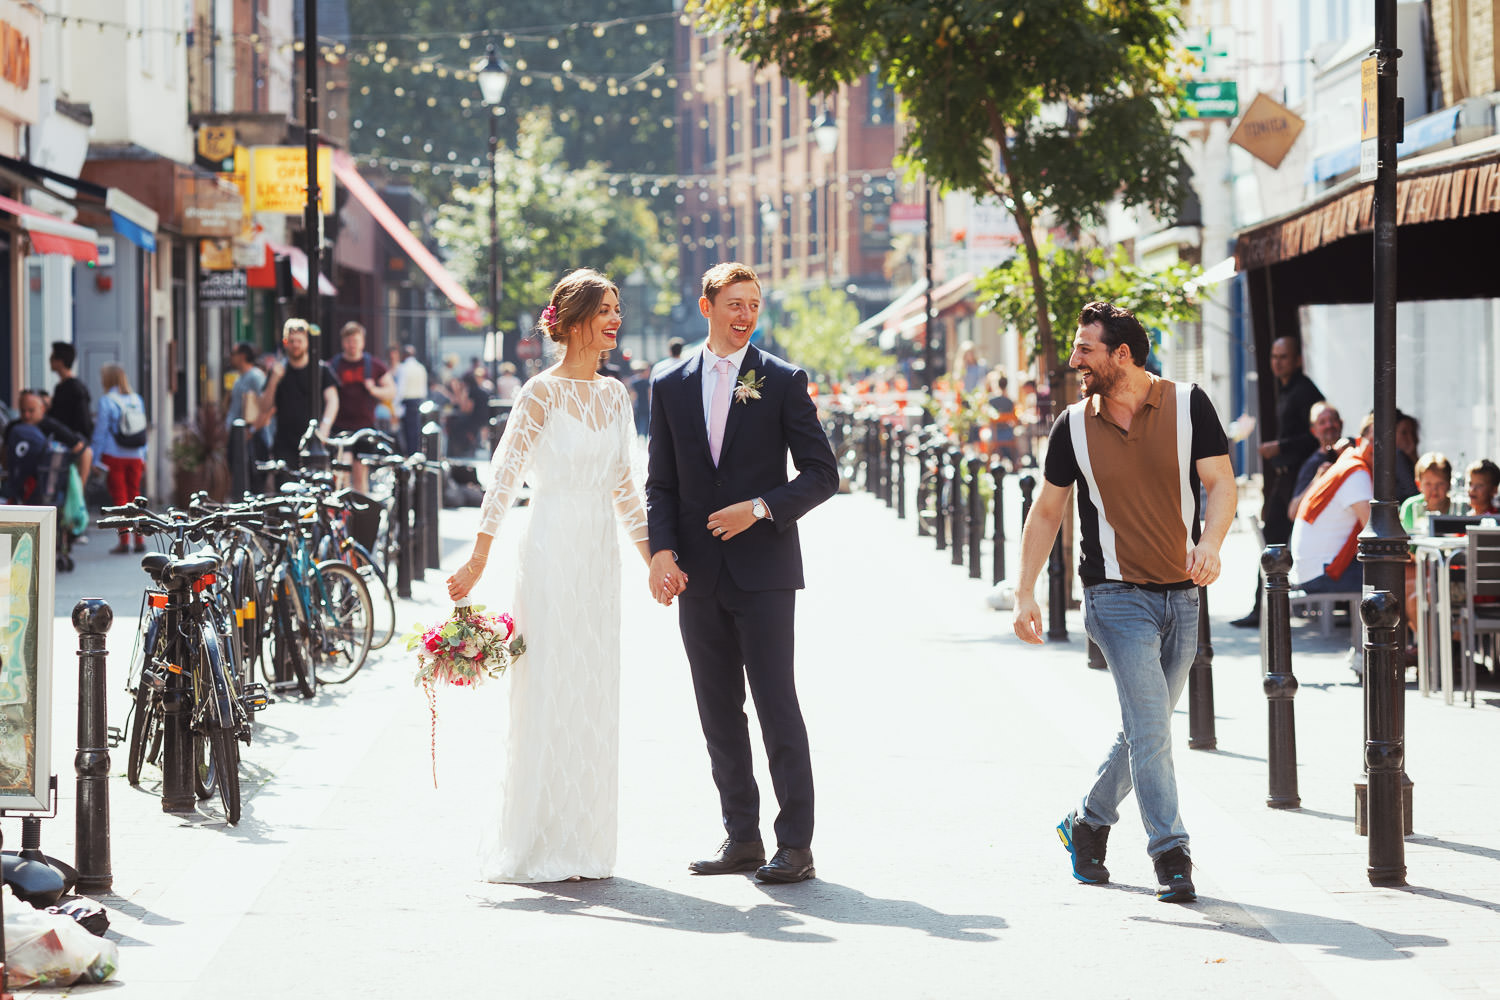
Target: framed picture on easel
x=28, y=548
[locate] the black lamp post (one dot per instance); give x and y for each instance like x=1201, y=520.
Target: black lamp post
x=826, y=134
x=493, y=76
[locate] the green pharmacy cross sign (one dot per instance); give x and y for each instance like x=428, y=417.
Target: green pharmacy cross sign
x=1204, y=99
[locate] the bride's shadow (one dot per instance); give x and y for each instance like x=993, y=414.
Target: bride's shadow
x=780, y=919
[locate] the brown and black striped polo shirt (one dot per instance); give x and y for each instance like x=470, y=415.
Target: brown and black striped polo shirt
x=1139, y=497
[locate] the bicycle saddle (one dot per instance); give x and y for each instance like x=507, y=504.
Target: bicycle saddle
x=180, y=573
x=154, y=562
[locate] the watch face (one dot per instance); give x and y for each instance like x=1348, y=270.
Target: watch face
x=758, y=509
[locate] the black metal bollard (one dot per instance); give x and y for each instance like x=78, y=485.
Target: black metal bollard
x=1201, y=730
x=239, y=459
x=92, y=619
x=1388, y=810
x=177, y=748
x=997, y=476
x=401, y=525
x=976, y=518
x=920, y=452
x=882, y=449
x=1057, y=592
x=956, y=504
x=1279, y=682
x=415, y=535
x=940, y=475
x=898, y=455
x=432, y=491
x=1028, y=486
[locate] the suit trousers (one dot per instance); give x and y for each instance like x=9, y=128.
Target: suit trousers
x=732, y=635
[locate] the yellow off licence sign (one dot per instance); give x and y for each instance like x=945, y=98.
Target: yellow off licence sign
x=278, y=180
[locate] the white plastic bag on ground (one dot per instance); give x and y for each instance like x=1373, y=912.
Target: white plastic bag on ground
x=50, y=949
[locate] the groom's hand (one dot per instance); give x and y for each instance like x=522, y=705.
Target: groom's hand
x=664, y=578
x=725, y=524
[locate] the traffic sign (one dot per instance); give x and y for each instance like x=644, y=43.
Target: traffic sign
x=529, y=349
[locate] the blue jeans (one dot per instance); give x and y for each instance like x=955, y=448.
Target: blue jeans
x=1149, y=639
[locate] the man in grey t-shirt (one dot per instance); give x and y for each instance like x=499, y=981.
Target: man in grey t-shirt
x=249, y=381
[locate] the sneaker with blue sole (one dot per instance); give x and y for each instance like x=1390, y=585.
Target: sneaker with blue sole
x=1174, y=877
x=1086, y=844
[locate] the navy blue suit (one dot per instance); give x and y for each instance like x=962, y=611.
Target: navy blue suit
x=737, y=614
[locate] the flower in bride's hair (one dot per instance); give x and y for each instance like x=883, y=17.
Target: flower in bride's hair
x=549, y=316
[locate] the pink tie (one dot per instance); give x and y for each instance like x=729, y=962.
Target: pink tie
x=718, y=413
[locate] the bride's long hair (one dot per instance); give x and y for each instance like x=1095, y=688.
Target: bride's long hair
x=574, y=301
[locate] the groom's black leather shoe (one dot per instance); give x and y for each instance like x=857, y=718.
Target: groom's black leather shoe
x=791, y=864
x=734, y=856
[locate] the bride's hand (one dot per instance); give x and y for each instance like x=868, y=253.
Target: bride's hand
x=462, y=581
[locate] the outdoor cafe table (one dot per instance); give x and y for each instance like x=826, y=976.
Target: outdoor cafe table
x=1434, y=555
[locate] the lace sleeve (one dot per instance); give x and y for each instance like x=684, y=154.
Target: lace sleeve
x=508, y=466
x=629, y=506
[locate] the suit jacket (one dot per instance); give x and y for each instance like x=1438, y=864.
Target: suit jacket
x=683, y=486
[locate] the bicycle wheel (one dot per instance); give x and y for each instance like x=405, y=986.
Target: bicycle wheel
x=344, y=625
x=382, y=601
x=225, y=750
x=145, y=731
x=247, y=619
x=293, y=636
x=146, y=710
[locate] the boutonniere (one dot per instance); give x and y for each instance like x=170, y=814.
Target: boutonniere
x=748, y=387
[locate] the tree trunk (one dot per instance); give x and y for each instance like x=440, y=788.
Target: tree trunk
x=1038, y=289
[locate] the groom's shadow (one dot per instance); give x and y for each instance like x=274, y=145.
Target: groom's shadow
x=780, y=919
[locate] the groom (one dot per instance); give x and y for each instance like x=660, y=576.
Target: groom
x=722, y=512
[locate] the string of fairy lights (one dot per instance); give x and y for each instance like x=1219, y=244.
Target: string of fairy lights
x=451, y=56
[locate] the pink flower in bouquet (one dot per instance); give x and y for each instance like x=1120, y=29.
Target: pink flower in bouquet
x=432, y=640
x=508, y=622
x=468, y=649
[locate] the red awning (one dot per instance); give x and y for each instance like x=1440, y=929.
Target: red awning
x=49, y=234
x=465, y=308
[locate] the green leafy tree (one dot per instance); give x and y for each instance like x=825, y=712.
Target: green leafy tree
x=816, y=335
x=1075, y=276
x=551, y=219
x=1057, y=107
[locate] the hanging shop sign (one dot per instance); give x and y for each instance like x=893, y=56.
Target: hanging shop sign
x=1268, y=130
x=223, y=288
x=278, y=180
x=1210, y=99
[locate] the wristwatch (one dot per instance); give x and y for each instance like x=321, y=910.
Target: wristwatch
x=758, y=508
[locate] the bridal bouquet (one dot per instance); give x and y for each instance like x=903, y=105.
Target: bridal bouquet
x=465, y=650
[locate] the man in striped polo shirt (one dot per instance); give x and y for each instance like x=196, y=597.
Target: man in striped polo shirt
x=1137, y=447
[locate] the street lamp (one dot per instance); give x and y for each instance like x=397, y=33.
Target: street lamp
x=826, y=134
x=493, y=76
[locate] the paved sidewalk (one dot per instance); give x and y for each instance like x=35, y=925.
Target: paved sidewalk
x=945, y=752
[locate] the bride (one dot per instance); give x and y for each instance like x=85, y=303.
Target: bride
x=569, y=436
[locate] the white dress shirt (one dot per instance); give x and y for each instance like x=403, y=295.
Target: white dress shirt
x=711, y=378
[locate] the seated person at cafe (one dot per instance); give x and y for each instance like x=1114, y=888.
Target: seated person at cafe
x=1328, y=427
x=1325, y=533
x=1434, y=478
x=1483, y=479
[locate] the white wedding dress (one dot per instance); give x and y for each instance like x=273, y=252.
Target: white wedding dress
x=558, y=802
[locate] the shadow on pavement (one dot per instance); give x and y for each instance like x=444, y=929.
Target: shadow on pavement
x=780, y=920
x=1335, y=938
x=1450, y=897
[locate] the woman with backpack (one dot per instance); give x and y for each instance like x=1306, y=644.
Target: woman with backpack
x=120, y=443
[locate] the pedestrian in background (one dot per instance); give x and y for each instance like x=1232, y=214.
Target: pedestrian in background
x=411, y=393
x=71, y=405
x=1137, y=447
x=364, y=384
x=508, y=384
x=120, y=443
x=299, y=391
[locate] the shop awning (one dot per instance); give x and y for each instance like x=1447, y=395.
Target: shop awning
x=876, y=323
x=131, y=219
x=50, y=234
x=299, y=268
x=465, y=308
